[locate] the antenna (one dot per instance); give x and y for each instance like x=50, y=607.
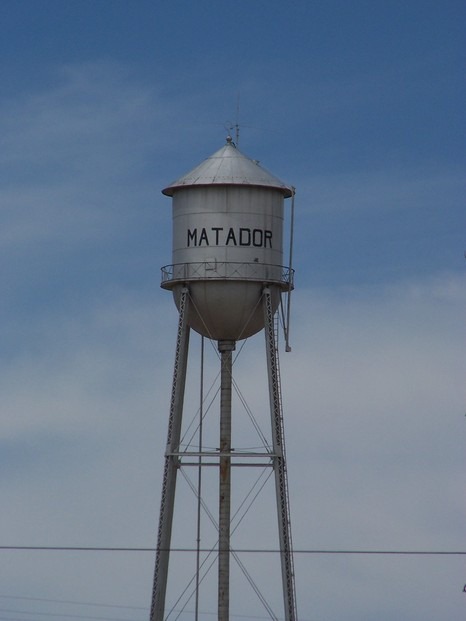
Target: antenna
x=237, y=120
x=229, y=125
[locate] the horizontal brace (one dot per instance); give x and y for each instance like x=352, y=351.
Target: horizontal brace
x=233, y=465
x=223, y=454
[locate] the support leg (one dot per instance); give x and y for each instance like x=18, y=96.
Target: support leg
x=171, y=464
x=281, y=484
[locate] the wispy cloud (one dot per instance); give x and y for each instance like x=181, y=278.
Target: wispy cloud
x=372, y=390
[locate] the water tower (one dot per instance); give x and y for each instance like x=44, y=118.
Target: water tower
x=228, y=280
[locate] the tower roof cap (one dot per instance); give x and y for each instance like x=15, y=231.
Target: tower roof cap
x=228, y=166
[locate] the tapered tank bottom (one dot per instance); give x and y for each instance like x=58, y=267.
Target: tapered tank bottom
x=226, y=309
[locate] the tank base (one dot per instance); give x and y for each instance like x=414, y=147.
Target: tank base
x=230, y=311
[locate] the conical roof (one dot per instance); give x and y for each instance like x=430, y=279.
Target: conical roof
x=228, y=166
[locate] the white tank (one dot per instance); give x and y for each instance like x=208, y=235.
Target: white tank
x=227, y=243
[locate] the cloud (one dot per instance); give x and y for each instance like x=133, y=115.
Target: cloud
x=72, y=152
x=382, y=190
x=373, y=390
x=374, y=407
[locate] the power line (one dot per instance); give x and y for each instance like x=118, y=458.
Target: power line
x=100, y=605
x=238, y=550
x=60, y=615
x=71, y=602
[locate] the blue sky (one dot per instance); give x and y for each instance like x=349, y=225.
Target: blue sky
x=357, y=104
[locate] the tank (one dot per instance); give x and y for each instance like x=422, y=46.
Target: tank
x=227, y=243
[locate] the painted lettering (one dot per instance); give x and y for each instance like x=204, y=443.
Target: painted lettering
x=267, y=238
x=192, y=237
x=217, y=236
x=231, y=237
x=203, y=238
x=217, y=230
x=245, y=237
x=257, y=238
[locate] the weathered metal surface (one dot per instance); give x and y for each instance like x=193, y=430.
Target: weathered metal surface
x=227, y=278
x=167, y=502
x=228, y=166
x=224, y=516
x=227, y=243
x=279, y=460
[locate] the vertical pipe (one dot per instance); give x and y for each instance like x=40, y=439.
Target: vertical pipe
x=199, y=482
x=171, y=464
x=225, y=348
x=290, y=276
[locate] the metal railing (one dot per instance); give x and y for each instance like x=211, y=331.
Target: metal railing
x=226, y=270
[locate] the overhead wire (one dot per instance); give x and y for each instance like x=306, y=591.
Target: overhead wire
x=240, y=564
x=71, y=602
x=214, y=522
x=98, y=618
x=61, y=615
x=242, y=550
